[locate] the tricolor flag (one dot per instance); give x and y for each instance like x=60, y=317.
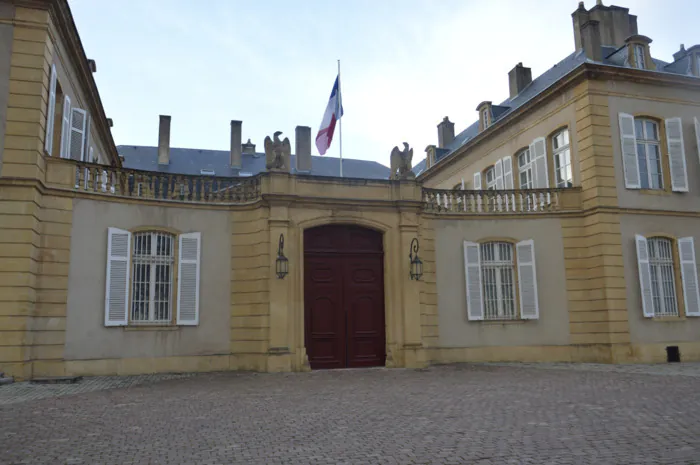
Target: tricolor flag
x=334, y=111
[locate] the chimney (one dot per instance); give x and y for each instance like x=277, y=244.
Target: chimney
x=615, y=24
x=519, y=78
x=590, y=40
x=680, y=53
x=164, y=140
x=249, y=147
x=302, y=149
x=92, y=65
x=446, y=132
x=236, y=158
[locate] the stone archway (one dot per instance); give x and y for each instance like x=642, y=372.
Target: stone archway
x=344, y=317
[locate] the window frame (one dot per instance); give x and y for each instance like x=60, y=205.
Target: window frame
x=498, y=266
x=527, y=169
x=557, y=153
x=172, y=294
x=639, y=53
x=646, y=143
x=490, y=185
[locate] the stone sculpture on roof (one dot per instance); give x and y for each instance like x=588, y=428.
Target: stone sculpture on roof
x=401, y=163
x=277, y=153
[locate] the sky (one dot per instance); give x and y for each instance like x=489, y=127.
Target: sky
x=405, y=64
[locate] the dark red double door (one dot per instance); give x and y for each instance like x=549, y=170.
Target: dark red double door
x=344, y=297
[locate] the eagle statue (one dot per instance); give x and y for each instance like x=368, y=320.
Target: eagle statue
x=401, y=163
x=277, y=152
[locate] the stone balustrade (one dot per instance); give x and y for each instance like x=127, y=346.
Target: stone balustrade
x=111, y=181
x=529, y=201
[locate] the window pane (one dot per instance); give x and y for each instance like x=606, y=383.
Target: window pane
x=652, y=130
x=643, y=171
x=639, y=128
x=655, y=166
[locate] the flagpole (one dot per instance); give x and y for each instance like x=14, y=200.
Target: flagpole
x=340, y=117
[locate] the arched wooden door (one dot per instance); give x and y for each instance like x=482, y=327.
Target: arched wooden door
x=344, y=297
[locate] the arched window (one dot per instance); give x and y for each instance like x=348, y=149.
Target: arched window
x=663, y=282
x=562, y=159
x=153, y=260
x=498, y=280
x=491, y=178
x=648, y=153
x=525, y=169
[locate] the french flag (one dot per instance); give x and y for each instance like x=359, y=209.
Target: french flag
x=334, y=111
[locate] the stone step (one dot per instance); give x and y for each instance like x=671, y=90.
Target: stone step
x=57, y=380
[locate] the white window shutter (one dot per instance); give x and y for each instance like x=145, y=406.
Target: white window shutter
x=65, y=129
x=628, y=143
x=676, y=154
x=188, y=279
x=538, y=152
x=498, y=167
x=48, y=143
x=508, y=173
x=117, y=281
x=697, y=132
x=527, y=280
x=87, y=151
x=472, y=273
x=477, y=181
x=644, y=276
x=77, y=134
x=689, y=274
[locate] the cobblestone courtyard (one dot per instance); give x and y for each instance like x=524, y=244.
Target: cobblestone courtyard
x=464, y=414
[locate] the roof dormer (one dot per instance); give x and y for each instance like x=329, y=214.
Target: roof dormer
x=694, y=54
x=638, y=55
x=485, y=115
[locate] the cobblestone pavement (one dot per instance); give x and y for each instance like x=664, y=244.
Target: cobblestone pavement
x=22, y=392
x=458, y=414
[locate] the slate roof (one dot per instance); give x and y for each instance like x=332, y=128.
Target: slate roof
x=192, y=161
x=611, y=56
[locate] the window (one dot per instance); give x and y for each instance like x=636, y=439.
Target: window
x=492, y=270
x=562, y=159
x=648, y=154
x=663, y=285
x=662, y=264
x=140, y=279
x=484, y=119
x=498, y=280
x=491, y=178
x=152, y=261
x=639, y=58
x=525, y=167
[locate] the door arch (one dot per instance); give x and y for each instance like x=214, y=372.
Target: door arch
x=344, y=297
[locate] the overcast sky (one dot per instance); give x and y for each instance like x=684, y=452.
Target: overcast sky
x=405, y=63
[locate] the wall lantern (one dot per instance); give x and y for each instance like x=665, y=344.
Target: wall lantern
x=416, y=263
x=282, y=262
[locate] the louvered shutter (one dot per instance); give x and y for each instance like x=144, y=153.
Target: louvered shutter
x=498, y=167
x=697, y=135
x=477, y=181
x=538, y=152
x=65, y=129
x=77, y=134
x=87, y=151
x=48, y=143
x=472, y=273
x=507, y=173
x=628, y=144
x=117, y=282
x=188, y=279
x=689, y=273
x=644, y=276
x=527, y=280
x=676, y=155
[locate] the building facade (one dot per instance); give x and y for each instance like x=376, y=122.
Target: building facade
x=560, y=226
